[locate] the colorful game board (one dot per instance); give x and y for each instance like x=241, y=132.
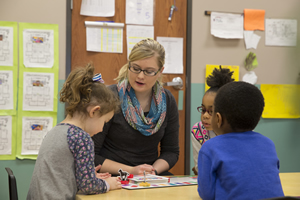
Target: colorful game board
x=174, y=181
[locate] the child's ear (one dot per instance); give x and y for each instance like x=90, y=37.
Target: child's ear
x=93, y=111
x=219, y=120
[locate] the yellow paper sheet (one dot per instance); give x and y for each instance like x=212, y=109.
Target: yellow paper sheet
x=210, y=68
x=281, y=101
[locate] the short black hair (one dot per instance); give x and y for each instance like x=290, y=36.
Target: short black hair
x=241, y=104
x=218, y=78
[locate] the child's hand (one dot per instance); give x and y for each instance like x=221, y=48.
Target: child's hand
x=114, y=183
x=139, y=170
x=101, y=175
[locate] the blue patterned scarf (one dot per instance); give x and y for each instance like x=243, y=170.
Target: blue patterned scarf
x=133, y=112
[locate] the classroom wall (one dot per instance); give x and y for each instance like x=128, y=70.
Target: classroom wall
x=276, y=65
x=33, y=11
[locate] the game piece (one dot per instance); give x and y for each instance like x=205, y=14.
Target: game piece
x=144, y=184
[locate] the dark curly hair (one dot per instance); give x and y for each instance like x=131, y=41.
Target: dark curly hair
x=80, y=91
x=241, y=104
x=218, y=78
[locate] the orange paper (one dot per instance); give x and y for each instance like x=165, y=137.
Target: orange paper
x=254, y=19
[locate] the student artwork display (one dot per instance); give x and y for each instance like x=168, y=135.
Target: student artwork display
x=6, y=46
x=5, y=135
x=38, y=48
x=34, y=130
x=38, y=86
x=38, y=91
x=6, y=90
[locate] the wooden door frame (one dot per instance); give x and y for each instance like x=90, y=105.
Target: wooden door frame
x=188, y=72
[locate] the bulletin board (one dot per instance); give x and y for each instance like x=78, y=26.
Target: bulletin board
x=276, y=64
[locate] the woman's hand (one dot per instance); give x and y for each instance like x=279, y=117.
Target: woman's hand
x=101, y=175
x=139, y=170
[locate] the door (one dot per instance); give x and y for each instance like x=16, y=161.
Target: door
x=110, y=63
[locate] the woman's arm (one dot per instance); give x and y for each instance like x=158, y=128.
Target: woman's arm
x=161, y=165
x=113, y=168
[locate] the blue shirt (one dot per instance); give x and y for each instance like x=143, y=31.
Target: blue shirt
x=239, y=166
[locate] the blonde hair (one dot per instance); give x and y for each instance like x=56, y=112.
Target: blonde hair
x=146, y=48
x=80, y=91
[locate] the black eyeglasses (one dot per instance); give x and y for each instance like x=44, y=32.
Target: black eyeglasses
x=147, y=72
x=203, y=110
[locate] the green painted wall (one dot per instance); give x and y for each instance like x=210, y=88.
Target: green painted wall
x=284, y=133
x=23, y=169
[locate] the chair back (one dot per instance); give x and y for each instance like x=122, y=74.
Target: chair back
x=13, y=193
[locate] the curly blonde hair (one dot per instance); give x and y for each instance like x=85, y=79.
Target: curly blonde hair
x=146, y=48
x=80, y=91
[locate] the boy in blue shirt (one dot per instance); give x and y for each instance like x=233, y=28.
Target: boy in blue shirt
x=239, y=163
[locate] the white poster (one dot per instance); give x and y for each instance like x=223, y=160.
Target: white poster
x=34, y=130
x=104, y=37
x=281, y=32
x=5, y=135
x=136, y=34
x=98, y=8
x=38, y=48
x=38, y=91
x=6, y=46
x=226, y=25
x=6, y=90
x=174, y=54
x=139, y=12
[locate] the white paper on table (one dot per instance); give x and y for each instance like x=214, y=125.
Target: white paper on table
x=6, y=46
x=104, y=37
x=38, y=48
x=281, y=32
x=98, y=8
x=139, y=12
x=225, y=25
x=5, y=135
x=137, y=33
x=34, y=130
x=38, y=91
x=174, y=54
x=251, y=39
x=250, y=77
x=6, y=90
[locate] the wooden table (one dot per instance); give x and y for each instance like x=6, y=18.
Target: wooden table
x=290, y=184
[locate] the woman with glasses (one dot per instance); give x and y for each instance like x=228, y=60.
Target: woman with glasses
x=202, y=131
x=148, y=118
